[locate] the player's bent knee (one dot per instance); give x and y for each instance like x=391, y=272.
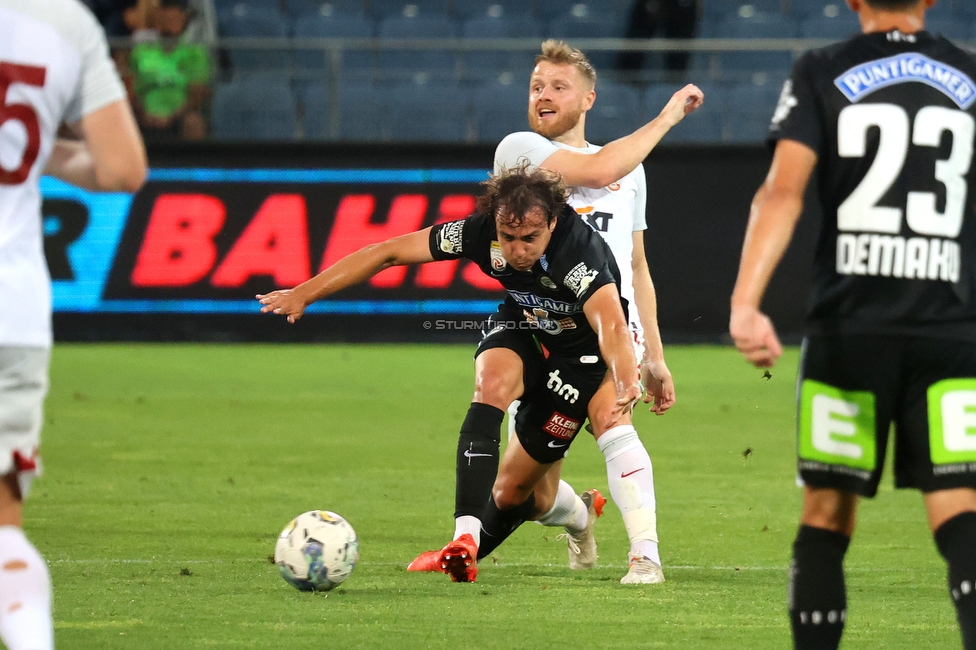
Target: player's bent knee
x=499, y=391
x=498, y=377
x=508, y=494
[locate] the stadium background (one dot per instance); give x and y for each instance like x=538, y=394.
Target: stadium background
x=331, y=125
x=170, y=469
x=183, y=259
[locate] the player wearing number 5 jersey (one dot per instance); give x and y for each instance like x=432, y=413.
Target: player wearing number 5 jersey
x=54, y=70
x=887, y=120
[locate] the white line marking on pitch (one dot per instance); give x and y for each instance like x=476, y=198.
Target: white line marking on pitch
x=517, y=565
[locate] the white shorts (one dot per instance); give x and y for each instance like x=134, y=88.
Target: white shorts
x=23, y=385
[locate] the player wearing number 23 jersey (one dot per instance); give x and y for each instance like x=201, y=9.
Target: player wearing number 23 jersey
x=892, y=117
x=886, y=121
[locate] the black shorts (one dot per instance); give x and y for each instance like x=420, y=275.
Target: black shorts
x=557, y=390
x=852, y=388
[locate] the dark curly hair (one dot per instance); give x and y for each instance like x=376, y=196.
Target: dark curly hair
x=512, y=193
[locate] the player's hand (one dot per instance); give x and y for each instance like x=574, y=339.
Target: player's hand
x=659, y=386
x=754, y=336
x=605, y=414
x=682, y=103
x=627, y=397
x=286, y=302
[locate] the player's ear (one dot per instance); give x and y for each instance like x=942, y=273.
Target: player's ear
x=588, y=99
x=855, y=5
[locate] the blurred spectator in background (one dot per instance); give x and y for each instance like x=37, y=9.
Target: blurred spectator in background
x=120, y=18
x=662, y=19
x=137, y=18
x=169, y=76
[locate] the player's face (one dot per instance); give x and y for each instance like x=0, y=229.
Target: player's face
x=558, y=96
x=524, y=244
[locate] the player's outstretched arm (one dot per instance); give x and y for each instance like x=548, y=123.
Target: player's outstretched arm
x=772, y=219
x=606, y=317
x=658, y=384
x=110, y=157
x=620, y=157
x=413, y=248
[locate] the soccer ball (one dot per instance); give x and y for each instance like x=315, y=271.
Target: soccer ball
x=316, y=551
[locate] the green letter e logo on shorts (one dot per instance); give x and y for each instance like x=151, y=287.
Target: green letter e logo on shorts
x=952, y=421
x=837, y=426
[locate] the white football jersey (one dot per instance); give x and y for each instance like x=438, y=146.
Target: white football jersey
x=616, y=211
x=54, y=68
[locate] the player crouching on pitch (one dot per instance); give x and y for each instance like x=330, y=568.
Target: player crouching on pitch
x=560, y=276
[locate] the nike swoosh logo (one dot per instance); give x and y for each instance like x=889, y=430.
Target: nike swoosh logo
x=629, y=473
x=468, y=454
x=555, y=446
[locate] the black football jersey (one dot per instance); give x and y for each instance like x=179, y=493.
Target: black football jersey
x=892, y=118
x=551, y=294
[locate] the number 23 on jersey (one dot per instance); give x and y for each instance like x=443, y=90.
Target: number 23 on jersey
x=879, y=249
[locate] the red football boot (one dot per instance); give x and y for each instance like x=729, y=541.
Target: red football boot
x=426, y=561
x=459, y=559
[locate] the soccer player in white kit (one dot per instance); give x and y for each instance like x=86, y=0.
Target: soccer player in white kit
x=54, y=69
x=609, y=192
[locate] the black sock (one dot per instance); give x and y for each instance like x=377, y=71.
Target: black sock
x=817, y=597
x=477, y=459
x=956, y=540
x=497, y=525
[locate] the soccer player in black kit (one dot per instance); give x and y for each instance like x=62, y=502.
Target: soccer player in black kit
x=561, y=276
x=887, y=119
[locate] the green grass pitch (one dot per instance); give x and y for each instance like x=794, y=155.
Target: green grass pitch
x=170, y=470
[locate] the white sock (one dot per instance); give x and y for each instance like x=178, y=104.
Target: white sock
x=25, y=594
x=568, y=511
x=468, y=524
x=631, y=479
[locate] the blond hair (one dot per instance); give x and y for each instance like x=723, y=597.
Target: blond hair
x=560, y=53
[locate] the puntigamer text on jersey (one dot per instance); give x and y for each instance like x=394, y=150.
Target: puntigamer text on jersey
x=903, y=68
